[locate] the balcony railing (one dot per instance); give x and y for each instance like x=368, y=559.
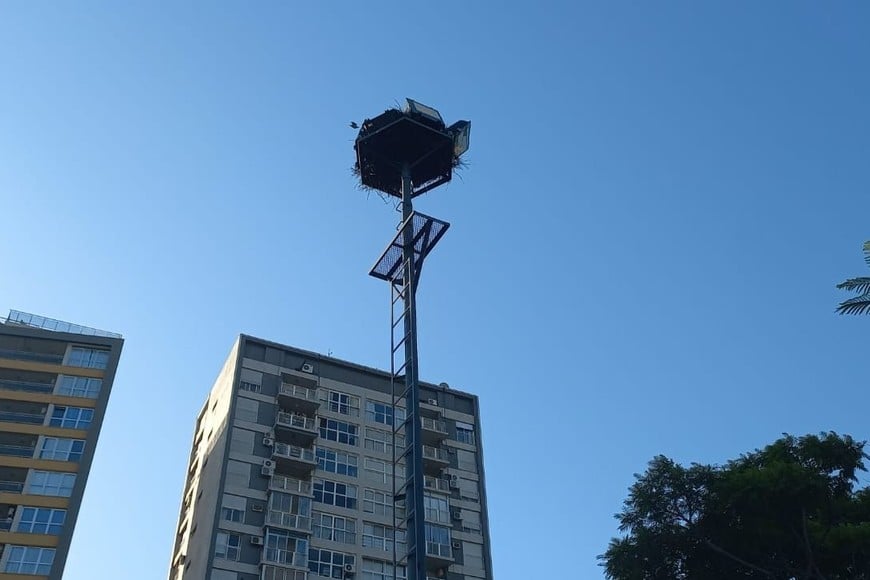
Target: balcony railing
x=31, y=356
x=434, y=453
x=17, y=417
x=289, y=485
x=296, y=421
x=436, y=484
x=12, y=486
x=17, y=450
x=285, y=557
x=293, y=452
x=6, y=525
x=286, y=520
x=299, y=392
x=436, y=550
x=434, y=425
x=29, y=386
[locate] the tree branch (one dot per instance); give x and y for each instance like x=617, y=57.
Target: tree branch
x=725, y=552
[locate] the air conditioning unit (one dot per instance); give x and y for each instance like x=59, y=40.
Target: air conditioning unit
x=268, y=464
x=456, y=544
x=268, y=441
x=433, y=402
x=457, y=514
x=454, y=482
x=307, y=368
x=268, y=471
x=256, y=540
x=257, y=507
x=349, y=569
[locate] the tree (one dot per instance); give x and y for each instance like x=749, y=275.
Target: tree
x=859, y=304
x=790, y=511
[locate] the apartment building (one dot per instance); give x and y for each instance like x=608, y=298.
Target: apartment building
x=290, y=475
x=55, y=380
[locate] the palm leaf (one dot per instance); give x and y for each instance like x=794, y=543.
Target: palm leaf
x=860, y=285
x=857, y=305
x=867, y=252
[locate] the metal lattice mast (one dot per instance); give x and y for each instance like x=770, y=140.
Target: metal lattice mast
x=404, y=154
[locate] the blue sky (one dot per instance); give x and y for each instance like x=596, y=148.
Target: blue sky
x=660, y=199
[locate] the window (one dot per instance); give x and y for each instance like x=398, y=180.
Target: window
x=472, y=555
x=62, y=449
x=41, y=521
x=80, y=387
x=337, y=461
x=382, y=441
x=339, y=402
x=381, y=537
x=247, y=410
x=71, y=417
x=283, y=548
x=232, y=514
x=438, y=541
x=89, y=358
x=275, y=573
x=29, y=560
x=328, y=563
x=383, y=413
x=436, y=509
x=334, y=493
x=242, y=441
x=338, y=431
x=377, y=570
x=250, y=387
x=468, y=489
x=471, y=522
x=51, y=483
x=238, y=474
x=335, y=528
x=227, y=546
x=378, y=470
x=466, y=460
x=289, y=504
x=465, y=433
x=379, y=503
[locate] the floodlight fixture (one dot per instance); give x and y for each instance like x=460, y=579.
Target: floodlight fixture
x=424, y=111
x=461, y=131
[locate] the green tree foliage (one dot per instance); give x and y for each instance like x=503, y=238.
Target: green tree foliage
x=790, y=511
x=861, y=303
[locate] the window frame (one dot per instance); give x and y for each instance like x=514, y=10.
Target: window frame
x=330, y=488
x=65, y=420
x=227, y=544
x=331, y=430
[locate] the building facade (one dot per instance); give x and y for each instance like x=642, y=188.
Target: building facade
x=55, y=380
x=290, y=475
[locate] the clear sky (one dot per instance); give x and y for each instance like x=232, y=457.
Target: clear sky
x=660, y=199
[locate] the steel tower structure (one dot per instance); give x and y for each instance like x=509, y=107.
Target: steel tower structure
x=405, y=153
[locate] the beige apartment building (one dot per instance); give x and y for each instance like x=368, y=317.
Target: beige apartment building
x=55, y=380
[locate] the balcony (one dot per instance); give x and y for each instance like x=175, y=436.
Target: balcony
x=434, y=459
x=290, y=485
x=294, y=522
x=295, y=429
x=30, y=356
x=28, y=386
x=298, y=398
x=284, y=557
x=431, y=483
x=22, y=417
x=432, y=430
x=438, y=555
x=293, y=460
x=17, y=450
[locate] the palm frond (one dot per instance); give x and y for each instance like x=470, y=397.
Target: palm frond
x=867, y=252
x=860, y=285
x=857, y=305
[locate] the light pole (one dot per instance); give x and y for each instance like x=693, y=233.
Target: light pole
x=405, y=153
